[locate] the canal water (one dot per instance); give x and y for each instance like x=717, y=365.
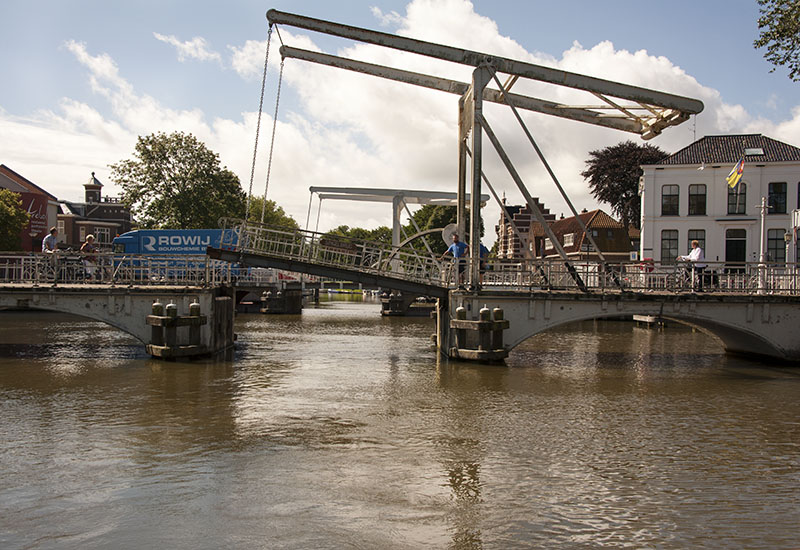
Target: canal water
x=341, y=429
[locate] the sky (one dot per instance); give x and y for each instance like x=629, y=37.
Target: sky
x=83, y=78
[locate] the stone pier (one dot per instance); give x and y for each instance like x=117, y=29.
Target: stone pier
x=172, y=322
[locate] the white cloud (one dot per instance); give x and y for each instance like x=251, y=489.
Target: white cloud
x=196, y=48
x=355, y=130
x=386, y=19
x=248, y=60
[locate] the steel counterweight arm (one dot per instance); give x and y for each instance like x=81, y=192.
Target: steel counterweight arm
x=664, y=100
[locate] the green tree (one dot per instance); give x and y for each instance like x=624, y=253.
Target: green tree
x=779, y=24
x=380, y=234
x=613, y=174
x=274, y=215
x=13, y=220
x=174, y=181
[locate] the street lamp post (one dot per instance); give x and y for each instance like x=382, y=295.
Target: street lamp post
x=761, y=256
x=788, y=239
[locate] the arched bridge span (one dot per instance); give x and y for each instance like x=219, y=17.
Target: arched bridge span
x=757, y=325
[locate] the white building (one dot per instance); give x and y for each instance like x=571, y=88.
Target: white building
x=686, y=196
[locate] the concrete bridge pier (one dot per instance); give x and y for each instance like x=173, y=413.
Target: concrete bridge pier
x=763, y=326
x=172, y=323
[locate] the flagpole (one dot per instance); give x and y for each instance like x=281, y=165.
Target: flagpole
x=738, y=195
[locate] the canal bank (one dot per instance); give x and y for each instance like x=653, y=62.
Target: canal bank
x=338, y=427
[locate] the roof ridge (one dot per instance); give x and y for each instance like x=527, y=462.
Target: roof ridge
x=24, y=181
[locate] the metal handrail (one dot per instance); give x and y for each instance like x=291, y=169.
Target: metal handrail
x=511, y=275
x=115, y=269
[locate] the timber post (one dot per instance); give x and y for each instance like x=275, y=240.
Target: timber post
x=165, y=341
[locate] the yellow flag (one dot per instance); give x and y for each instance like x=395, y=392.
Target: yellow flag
x=736, y=174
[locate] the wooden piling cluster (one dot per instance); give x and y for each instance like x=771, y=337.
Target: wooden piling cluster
x=164, y=323
x=482, y=339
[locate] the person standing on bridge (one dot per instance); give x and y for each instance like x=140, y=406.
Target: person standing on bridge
x=88, y=249
x=50, y=247
x=484, y=257
x=459, y=250
x=698, y=265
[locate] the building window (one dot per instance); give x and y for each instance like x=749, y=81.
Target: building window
x=82, y=234
x=569, y=239
x=698, y=235
x=670, y=200
x=776, y=246
x=669, y=246
x=102, y=235
x=548, y=244
x=60, y=227
x=737, y=199
x=697, y=200
x=777, y=198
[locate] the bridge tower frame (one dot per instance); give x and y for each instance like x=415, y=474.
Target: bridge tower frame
x=624, y=107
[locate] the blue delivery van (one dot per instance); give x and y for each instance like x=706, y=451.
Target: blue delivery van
x=169, y=241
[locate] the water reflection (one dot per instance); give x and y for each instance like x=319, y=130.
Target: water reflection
x=339, y=428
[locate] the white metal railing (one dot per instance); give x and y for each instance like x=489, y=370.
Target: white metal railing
x=333, y=251
x=118, y=269
x=676, y=277
x=377, y=258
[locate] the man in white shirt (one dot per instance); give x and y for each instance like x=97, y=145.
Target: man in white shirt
x=698, y=261
x=50, y=243
x=50, y=247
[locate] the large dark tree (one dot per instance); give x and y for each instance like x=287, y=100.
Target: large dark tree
x=174, y=181
x=613, y=174
x=780, y=33
x=13, y=220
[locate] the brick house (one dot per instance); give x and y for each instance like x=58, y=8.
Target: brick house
x=508, y=244
x=103, y=217
x=41, y=205
x=610, y=235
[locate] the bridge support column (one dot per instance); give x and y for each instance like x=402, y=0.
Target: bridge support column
x=478, y=339
x=168, y=342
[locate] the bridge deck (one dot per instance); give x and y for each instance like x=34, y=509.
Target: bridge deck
x=411, y=270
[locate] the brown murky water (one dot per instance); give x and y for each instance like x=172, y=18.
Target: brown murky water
x=340, y=429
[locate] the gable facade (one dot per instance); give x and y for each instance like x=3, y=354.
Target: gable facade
x=686, y=197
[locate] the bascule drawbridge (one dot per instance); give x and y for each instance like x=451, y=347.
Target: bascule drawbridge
x=531, y=295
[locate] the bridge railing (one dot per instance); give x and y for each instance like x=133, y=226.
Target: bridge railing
x=116, y=269
x=408, y=264
x=333, y=251
x=737, y=278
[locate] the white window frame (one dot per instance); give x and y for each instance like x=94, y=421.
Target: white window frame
x=102, y=235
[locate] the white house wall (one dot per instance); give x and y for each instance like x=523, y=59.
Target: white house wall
x=716, y=220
